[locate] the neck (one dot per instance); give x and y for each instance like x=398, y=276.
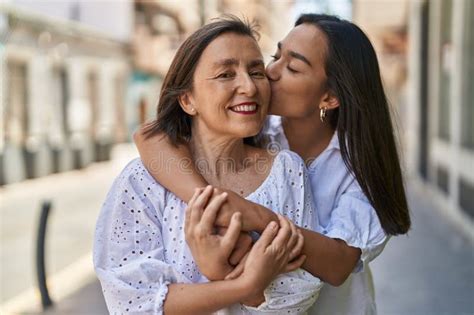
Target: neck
x=216, y=155
x=307, y=136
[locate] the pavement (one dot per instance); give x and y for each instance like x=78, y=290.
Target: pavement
x=428, y=272
x=76, y=198
x=431, y=270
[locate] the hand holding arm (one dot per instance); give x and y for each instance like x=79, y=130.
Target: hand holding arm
x=210, y=250
x=264, y=262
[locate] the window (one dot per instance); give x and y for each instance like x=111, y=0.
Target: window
x=467, y=110
x=443, y=179
x=446, y=66
x=466, y=197
x=16, y=115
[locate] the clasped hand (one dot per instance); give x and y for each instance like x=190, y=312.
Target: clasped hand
x=217, y=251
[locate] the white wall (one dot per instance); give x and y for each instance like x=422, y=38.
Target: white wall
x=114, y=18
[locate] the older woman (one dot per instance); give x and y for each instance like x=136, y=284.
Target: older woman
x=215, y=98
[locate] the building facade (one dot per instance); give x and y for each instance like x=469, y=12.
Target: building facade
x=63, y=94
x=74, y=80
x=440, y=116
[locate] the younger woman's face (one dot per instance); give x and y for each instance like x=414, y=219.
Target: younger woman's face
x=297, y=75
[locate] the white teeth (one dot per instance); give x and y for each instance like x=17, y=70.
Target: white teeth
x=244, y=108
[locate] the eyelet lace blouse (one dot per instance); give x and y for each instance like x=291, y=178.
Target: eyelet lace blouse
x=140, y=247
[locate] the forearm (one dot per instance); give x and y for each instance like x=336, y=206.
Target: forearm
x=263, y=216
x=170, y=165
x=203, y=298
x=331, y=260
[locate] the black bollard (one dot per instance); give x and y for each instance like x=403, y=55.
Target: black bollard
x=46, y=301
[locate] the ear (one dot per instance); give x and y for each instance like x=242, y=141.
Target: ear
x=329, y=101
x=187, y=103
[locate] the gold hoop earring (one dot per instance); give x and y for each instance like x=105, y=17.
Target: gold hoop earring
x=322, y=114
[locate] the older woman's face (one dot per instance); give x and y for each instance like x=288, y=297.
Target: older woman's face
x=230, y=90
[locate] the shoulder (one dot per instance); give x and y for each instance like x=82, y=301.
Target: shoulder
x=137, y=179
x=289, y=168
x=289, y=160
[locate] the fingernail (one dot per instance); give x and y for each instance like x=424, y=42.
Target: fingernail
x=272, y=225
x=224, y=194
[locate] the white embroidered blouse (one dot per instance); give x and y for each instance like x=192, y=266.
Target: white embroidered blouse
x=140, y=248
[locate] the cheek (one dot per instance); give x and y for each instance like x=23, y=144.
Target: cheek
x=264, y=91
x=212, y=97
x=293, y=96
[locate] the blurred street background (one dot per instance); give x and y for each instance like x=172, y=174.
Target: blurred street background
x=77, y=77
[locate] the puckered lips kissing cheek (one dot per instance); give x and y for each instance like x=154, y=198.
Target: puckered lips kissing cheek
x=245, y=108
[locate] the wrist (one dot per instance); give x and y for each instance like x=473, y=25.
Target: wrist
x=245, y=289
x=254, y=301
x=216, y=273
x=263, y=217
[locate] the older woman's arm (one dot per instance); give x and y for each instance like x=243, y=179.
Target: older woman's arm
x=331, y=260
x=210, y=297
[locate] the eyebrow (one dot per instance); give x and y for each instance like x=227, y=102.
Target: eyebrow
x=235, y=62
x=256, y=63
x=296, y=55
x=227, y=62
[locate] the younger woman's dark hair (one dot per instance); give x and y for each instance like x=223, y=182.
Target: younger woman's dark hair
x=171, y=118
x=362, y=120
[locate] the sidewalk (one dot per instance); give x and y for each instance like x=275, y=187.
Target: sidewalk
x=428, y=272
x=86, y=301
x=76, y=198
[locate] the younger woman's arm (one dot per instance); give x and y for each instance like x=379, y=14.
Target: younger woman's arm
x=170, y=165
x=331, y=260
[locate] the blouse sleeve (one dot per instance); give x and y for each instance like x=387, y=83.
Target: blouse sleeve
x=355, y=221
x=294, y=292
x=128, y=246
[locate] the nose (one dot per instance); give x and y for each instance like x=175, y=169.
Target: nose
x=273, y=71
x=246, y=86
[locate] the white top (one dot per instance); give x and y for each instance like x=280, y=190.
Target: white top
x=140, y=247
x=344, y=212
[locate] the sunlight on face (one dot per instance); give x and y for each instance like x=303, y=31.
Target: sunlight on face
x=297, y=76
x=230, y=90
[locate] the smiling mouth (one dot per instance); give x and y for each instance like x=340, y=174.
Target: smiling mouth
x=245, y=109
